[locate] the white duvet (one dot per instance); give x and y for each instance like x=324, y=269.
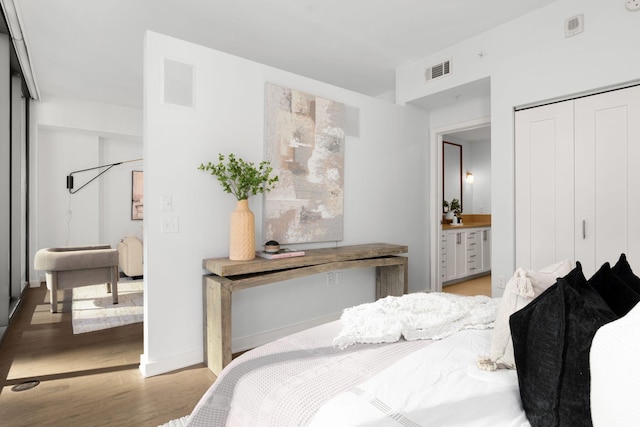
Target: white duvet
x=438, y=385
x=303, y=380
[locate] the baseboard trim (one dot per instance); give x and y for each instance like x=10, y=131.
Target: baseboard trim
x=3, y=331
x=253, y=341
x=179, y=361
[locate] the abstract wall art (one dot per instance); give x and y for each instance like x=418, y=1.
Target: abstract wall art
x=137, y=195
x=304, y=142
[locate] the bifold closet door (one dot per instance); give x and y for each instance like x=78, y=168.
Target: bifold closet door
x=544, y=185
x=607, y=189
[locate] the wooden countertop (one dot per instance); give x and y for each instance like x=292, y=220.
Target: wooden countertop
x=470, y=221
x=466, y=225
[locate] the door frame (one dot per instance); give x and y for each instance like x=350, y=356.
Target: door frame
x=435, y=191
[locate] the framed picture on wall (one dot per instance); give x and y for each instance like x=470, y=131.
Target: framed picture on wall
x=304, y=142
x=137, y=195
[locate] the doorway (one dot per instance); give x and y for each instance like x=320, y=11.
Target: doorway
x=477, y=196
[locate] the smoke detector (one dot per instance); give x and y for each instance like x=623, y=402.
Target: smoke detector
x=633, y=4
x=574, y=25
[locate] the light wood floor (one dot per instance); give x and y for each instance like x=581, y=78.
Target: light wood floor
x=88, y=379
x=93, y=379
x=478, y=286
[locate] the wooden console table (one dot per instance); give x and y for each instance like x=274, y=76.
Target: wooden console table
x=229, y=276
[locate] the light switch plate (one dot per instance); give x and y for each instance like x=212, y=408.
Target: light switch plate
x=170, y=224
x=167, y=204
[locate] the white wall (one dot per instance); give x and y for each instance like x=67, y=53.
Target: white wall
x=385, y=199
x=115, y=189
x=68, y=136
x=529, y=60
x=480, y=166
x=66, y=219
x=467, y=189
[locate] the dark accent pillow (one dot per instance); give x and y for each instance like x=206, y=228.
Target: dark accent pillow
x=537, y=332
x=623, y=271
x=620, y=297
x=551, y=340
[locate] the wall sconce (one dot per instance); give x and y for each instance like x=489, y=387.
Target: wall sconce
x=108, y=167
x=469, y=178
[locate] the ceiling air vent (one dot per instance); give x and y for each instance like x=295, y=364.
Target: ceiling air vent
x=438, y=70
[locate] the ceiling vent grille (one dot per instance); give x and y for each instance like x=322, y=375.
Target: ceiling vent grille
x=439, y=70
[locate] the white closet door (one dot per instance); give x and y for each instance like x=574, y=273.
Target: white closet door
x=544, y=185
x=607, y=146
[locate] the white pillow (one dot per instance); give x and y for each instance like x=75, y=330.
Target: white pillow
x=522, y=288
x=615, y=371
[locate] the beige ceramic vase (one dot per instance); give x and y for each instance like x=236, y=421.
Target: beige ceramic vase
x=242, y=238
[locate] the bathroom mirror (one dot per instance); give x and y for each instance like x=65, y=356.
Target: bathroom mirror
x=452, y=172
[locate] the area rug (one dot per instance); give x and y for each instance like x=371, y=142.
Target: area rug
x=92, y=308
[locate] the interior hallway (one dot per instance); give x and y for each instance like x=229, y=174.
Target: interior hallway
x=76, y=372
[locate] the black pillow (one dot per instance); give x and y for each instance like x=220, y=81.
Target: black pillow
x=537, y=333
x=620, y=297
x=551, y=340
x=623, y=271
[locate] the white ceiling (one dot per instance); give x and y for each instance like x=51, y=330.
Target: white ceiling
x=92, y=49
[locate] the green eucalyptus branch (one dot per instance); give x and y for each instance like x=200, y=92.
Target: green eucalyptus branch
x=240, y=178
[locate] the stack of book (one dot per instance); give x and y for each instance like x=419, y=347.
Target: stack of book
x=282, y=253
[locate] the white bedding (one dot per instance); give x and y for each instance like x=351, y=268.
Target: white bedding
x=416, y=316
x=285, y=382
x=303, y=380
x=439, y=385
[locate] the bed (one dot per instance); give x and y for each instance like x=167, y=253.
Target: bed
x=465, y=376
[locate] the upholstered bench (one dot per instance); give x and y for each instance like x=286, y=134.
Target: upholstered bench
x=71, y=267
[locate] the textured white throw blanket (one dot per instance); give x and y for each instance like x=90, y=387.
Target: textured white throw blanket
x=415, y=316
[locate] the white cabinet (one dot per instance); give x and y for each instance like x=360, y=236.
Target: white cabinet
x=464, y=252
x=456, y=245
x=474, y=252
x=486, y=248
x=443, y=256
x=575, y=193
x=478, y=250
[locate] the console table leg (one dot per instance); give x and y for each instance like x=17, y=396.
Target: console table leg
x=217, y=327
x=392, y=279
